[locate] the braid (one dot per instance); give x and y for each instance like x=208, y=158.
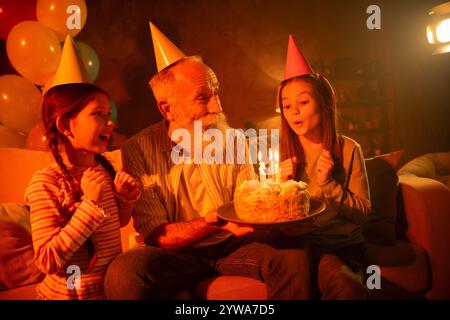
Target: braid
x=54, y=147
x=105, y=164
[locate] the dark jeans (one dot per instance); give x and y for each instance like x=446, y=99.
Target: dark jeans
x=338, y=274
x=155, y=273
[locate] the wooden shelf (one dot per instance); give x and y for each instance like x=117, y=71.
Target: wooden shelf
x=363, y=131
x=362, y=101
x=361, y=104
x=358, y=77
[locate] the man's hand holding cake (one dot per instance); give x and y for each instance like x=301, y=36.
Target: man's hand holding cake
x=213, y=220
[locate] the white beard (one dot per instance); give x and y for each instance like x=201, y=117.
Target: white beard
x=210, y=121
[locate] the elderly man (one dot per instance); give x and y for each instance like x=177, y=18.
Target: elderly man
x=183, y=239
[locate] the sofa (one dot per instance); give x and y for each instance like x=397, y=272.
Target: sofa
x=410, y=245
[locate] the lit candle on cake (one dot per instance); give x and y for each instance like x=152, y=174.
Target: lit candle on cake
x=270, y=167
x=262, y=168
x=277, y=167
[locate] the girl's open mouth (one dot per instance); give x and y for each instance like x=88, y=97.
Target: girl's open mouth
x=104, y=138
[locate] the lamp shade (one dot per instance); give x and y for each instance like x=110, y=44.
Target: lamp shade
x=438, y=28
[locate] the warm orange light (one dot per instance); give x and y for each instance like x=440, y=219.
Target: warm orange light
x=52, y=7
x=443, y=31
x=1, y=10
x=438, y=31
x=90, y=63
x=5, y=97
x=430, y=35
x=23, y=43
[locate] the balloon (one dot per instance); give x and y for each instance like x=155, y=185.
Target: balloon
x=20, y=103
x=90, y=60
x=48, y=84
x=34, y=50
x=113, y=106
x=37, y=140
x=14, y=11
x=62, y=16
x=10, y=138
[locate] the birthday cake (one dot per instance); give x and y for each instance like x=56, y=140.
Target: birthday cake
x=269, y=201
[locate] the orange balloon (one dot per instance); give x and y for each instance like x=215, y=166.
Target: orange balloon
x=37, y=140
x=20, y=103
x=33, y=50
x=63, y=16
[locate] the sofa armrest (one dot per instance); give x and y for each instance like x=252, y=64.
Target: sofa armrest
x=427, y=210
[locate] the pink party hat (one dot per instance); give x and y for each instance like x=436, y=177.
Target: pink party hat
x=296, y=64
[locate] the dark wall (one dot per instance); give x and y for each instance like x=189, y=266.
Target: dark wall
x=245, y=43
x=421, y=81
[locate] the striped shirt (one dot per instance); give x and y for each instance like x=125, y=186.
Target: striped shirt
x=59, y=242
x=147, y=157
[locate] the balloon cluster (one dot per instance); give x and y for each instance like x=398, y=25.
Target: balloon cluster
x=33, y=30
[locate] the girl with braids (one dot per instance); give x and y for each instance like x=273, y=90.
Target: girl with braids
x=78, y=204
x=333, y=167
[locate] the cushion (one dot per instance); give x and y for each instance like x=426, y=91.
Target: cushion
x=383, y=183
x=17, y=267
x=16, y=169
x=431, y=165
x=22, y=293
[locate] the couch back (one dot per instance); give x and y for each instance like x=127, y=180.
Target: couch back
x=16, y=168
x=18, y=165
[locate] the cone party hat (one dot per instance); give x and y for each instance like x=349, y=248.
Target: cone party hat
x=166, y=52
x=296, y=64
x=70, y=68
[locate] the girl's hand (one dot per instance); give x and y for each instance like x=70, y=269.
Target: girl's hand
x=287, y=168
x=324, y=168
x=92, y=184
x=126, y=186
